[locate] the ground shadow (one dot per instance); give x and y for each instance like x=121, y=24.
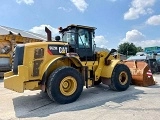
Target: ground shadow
x=1, y=80
x=40, y=105
x=154, y=86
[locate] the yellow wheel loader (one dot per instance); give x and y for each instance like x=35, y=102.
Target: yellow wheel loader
x=63, y=67
x=7, y=45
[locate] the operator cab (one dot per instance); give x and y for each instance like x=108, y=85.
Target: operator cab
x=80, y=39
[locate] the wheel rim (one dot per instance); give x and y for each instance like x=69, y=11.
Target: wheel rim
x=68, y=86
x=123, y=78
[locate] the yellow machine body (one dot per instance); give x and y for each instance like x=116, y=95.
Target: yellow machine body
x=25, y=78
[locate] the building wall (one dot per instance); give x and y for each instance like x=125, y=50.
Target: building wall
x=150, y=50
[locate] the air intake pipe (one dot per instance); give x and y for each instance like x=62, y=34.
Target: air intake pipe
x=107, y=62
x=112, y=51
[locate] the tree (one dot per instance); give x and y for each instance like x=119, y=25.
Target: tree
x=139, y=49
x=128, y=49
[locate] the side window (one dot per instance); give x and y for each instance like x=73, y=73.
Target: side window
x=83, y=38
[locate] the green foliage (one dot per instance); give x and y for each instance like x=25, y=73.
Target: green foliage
x=129, y=49
x=139, y=49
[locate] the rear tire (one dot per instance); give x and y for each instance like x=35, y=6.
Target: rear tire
x=121, y=78
x=65, y=85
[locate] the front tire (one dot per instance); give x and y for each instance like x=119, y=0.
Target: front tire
x=121, y=78
x=65, y=85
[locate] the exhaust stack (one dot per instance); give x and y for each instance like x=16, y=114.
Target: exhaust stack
x=49, y=34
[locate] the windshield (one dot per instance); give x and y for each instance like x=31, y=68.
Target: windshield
x=81, y=37
x=69, y=36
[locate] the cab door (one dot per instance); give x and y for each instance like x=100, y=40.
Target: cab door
x=85, y=46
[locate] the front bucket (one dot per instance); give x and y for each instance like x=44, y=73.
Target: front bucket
x=141, y=73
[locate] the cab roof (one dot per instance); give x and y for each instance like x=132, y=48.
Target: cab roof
x=82, y=26
x=76, y=26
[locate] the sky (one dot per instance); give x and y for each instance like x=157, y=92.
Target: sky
x=117, y=21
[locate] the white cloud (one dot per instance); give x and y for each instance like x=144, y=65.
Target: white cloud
x=139, y=39
x=150, y=43
x=65, y=9
x=154, y=20
x=41, y=30
x=139, y=7
x=101, y=41
x=133, y=36
x=28, y=2
x=80, y=4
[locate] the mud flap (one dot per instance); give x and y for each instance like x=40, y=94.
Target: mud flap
x=141, y=73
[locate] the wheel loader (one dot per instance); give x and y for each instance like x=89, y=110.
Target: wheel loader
x=63, y=67
x=7, y=45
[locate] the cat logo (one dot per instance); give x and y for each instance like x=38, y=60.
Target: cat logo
x=62, y=49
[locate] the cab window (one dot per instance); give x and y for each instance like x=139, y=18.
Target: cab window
x=83, y=38
x=69, y=37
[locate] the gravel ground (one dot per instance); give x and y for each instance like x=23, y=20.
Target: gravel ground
x=99, y=103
